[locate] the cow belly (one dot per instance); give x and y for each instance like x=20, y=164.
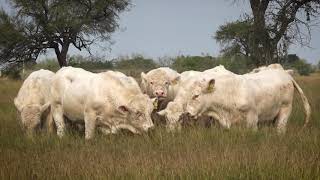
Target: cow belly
x=269, y=111
x=73, y=107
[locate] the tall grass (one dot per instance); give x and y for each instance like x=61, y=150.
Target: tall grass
x=195, y=153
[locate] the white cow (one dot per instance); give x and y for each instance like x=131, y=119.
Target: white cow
x=32, y=101
x=160, y=83
x=176, y=108
x=109, y=99
x=251, y=98
x=262, y=68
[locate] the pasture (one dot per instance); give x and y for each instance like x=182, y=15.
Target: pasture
x=195, y=153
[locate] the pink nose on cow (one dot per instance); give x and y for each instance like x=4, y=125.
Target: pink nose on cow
x=159, y=93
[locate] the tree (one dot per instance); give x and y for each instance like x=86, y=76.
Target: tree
x=39, y=25
x=234, y=37
x=276, y=21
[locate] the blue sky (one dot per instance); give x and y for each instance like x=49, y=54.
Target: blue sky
x=157, y=28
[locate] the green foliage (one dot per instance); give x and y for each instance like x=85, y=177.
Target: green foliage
x=49, y=64
x=302, y=67
x=292, y=61
x=91, y=64
x=236, y=64
x=198, y=63
x=57, y=24
x=234, y=37
x=12, y=73
x=136, y=62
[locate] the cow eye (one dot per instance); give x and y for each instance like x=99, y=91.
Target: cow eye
x=138, y=114
x=195, y=96
x=151, y=82
x=167, y=83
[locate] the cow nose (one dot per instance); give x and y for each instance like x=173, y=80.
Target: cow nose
x=160, y=93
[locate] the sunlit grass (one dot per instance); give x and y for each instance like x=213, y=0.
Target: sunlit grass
x=195, y=153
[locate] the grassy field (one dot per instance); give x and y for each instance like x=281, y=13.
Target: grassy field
x=195, y=153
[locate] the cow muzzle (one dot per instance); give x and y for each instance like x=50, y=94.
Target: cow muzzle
x=160, y=94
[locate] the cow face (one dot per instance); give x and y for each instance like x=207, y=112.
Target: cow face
x=172, y=114
x=138, y=113
x=196, y=104
x=157, y=84
x=31, y=116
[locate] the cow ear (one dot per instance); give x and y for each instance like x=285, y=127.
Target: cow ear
x=175, y=80
x=44, y=107
x=210, y=87
x=16, y=103
x=155, y=103
x=143, y=77
x=162, y=113
x=123, y=109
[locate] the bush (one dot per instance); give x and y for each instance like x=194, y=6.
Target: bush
x=302, y=67
x=94, y=63
x=136, y=62
x=198, y=63
x=12, y=73
x=49, y=64
x=236, y=64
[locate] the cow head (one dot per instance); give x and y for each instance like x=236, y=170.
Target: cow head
x=138, y=113
x=31, y=116
x=172, y=114
x=157, y=84
x=196, y=102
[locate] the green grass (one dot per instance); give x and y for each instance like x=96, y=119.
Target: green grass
x=195, y=153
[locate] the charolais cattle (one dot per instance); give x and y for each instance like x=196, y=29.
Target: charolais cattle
x=251, y=98
x=176, y=108
x=110, y=100
x=33, y=103
x=160, y=83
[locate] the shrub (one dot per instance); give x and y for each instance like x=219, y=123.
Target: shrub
x=198, y=63
x=12, y=73
x=236, y=64
x=49, y=64
x=302, y=67
x=136, y=62
x=94, y=63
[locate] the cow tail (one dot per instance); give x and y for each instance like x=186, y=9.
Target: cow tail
x=306, y=104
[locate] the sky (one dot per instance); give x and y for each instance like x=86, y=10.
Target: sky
x=158, y=28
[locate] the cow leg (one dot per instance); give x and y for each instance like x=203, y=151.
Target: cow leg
x=252, y=120
x=282, y=118
x=90, y=123
x=222, y=121
x=57, y=114
x=50, y=122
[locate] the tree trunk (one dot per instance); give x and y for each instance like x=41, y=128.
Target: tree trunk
x=261, y=44
x=62, y=55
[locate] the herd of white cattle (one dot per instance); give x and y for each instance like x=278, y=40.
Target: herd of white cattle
x=111, y=101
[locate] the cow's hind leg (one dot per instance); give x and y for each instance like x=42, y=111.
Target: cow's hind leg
x=49, y=122
x=57, y=113
x=282, y=118
x=90, y=123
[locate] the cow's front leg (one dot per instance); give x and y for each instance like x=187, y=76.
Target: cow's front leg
x=90, y=119
x=57, y=114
